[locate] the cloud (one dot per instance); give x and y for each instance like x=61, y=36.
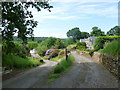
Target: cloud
x=46, y=34
x=85, y=1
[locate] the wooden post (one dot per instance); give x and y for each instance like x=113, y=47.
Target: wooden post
x=66, y=53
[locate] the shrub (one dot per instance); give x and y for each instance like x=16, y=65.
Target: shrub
x=32, y=45
x=14, y=48
x=64, y=65
x=81, y=44
x=112, y=48
x=61, y=53
x=100, y=41
x=42, y=50
x=55, y=53
x=81, y=47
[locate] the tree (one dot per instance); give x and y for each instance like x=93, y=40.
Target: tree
x=74, y=33
x=114, y=31
x=84, y=35
x=16, y=18
x=59, y=44
x=97, y=32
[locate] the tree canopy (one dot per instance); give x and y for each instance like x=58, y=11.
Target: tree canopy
x=114, y=31
x=74, y=33
x=16, y=18
x=84, y=35
x=97, y=32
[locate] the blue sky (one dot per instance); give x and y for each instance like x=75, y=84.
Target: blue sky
x=68, y=14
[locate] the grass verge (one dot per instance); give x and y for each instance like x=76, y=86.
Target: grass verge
x=111, y=48
x=16, y=62
x=61, y=68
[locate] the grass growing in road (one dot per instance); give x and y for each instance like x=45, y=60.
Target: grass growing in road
x=16, y=62
x=112, y=48
x=62, y=67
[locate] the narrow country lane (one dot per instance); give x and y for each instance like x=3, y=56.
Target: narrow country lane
x=85, y=74
x=30, y=78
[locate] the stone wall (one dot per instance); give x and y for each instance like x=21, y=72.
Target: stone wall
x=109, y=61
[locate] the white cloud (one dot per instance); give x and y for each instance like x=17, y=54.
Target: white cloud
x=85, y=1
x=43, y=34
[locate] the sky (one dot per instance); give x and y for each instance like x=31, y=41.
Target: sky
x=68, y=14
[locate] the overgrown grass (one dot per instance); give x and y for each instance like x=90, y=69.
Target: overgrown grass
x=62, y=67
x=58, y=59
x=16, y=62
x=112, y=48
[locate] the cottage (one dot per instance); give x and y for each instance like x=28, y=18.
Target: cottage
x=89, y=42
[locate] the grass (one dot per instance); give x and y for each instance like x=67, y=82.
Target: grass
x=62, y=67
x=16, y=62
x=58, y=59
x=111, y=48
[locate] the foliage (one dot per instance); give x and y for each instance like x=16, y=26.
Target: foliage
x=81, y=44
x=74, y=33
x=63, y=65
x=36, y=39
x=41, y=49
x=81, y=48
x=55, y=53
x=61, y=53
x=59, y=44
x=69, y=41
x=14, y=48
x=52, y=53
x=17, y=18
x=50, y=42
x=100, y=41
x=114, y=31
x=70, y=47
x=16, y=62
x=97, y=32
x=84, y=35
x=112, y=48
x=32, y=45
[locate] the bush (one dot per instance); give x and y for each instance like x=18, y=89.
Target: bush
x=55, y=53
x=42, y=50
x=32, y=45
x=81, y=44
x=61, y=53
x=14, y=48
x=81, y=48
x=112, y=48
x=100, y=41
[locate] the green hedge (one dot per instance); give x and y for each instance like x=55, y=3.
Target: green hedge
x=102, y=40
x=112, y=48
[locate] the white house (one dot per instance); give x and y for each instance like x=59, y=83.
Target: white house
x=89, y=42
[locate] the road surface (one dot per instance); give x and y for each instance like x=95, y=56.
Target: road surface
x=84, y=73
x=30, y=78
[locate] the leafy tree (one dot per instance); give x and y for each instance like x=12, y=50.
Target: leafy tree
x=74, y=33
x=114, y=31
x=84, y=35
x=59, y=44
x=69, y=41
x=97, y=32
x=50, y=42
x=16, y=18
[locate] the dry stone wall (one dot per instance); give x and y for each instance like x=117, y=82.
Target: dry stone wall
x=109, y=61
